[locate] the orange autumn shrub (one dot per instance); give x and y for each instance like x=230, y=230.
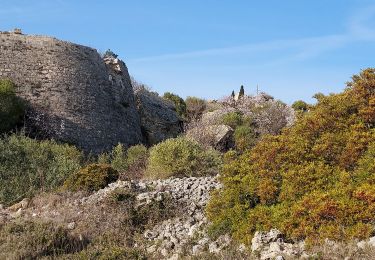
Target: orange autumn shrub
x=315, y=180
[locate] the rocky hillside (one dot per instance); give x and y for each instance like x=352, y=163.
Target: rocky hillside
x=180, y=233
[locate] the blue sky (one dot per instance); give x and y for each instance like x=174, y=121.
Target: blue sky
x=291, y=49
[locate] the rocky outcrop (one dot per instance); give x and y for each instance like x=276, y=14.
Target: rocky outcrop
x=167, y=238
x=219, y=137
x=271, y=245
x=159, y=120
x=184, y=234
x=75, y=96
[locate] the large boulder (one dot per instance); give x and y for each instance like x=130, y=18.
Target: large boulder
x=159, y=119
x=219, y=137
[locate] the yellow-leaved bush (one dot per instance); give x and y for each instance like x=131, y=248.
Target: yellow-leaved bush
x=91, y=178
x=315, y=180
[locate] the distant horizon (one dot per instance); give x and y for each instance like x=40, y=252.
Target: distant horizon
x=291, y=51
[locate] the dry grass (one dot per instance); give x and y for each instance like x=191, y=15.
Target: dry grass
x=108, y=229
x=348, y=251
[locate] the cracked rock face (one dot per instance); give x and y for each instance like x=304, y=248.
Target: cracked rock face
x=271, y=245
x=170, y=236
x=159, y=119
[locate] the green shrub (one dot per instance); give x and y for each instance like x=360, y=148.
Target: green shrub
x=136, y=159
x=181, y=157
x=232, y=119
x=195, y=108
x=12, y=108
x=130, y=163
x=300, y=106
x=103, y=158
x=178, y=102
x=244, y=138
x=91, y=178
x=118, y=158
x=28, y=166
x=313, y=181
x=35, y=240
x=137, y=155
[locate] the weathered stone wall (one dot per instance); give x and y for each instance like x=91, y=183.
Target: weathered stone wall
x=78, y=97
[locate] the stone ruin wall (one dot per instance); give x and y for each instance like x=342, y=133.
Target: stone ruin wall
x=78, y=97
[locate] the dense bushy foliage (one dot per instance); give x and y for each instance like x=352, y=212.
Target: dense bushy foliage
x=93, y=177
x=233, y=119
x=181, y=157
x=195, y=108
x=244, y=138
x=136, y=158
x=300, y=106
x=315, y=180
x=130, y=163
x=178, y=102
x=12, y=108
x=118, y=158
x=28, y=166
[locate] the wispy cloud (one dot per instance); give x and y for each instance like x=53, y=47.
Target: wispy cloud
x=303, y=48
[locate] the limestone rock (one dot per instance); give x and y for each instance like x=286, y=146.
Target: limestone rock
x=71, y=225
x=219, y=137
x=270, y=245
x=159, y=119
x=365, y=243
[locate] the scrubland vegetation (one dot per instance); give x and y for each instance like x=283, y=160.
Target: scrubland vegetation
x=182, y=157
x=313, y=177
x=29, y=166
x=313, y=181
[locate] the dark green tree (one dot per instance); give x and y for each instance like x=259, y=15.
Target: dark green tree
x=110, y=53
x=232, y=95
x=242, y=92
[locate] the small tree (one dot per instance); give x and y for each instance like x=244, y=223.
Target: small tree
x=300, y=106
x=110, y=53
x=195, y=107
x=242, y=92
x=118, y=156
